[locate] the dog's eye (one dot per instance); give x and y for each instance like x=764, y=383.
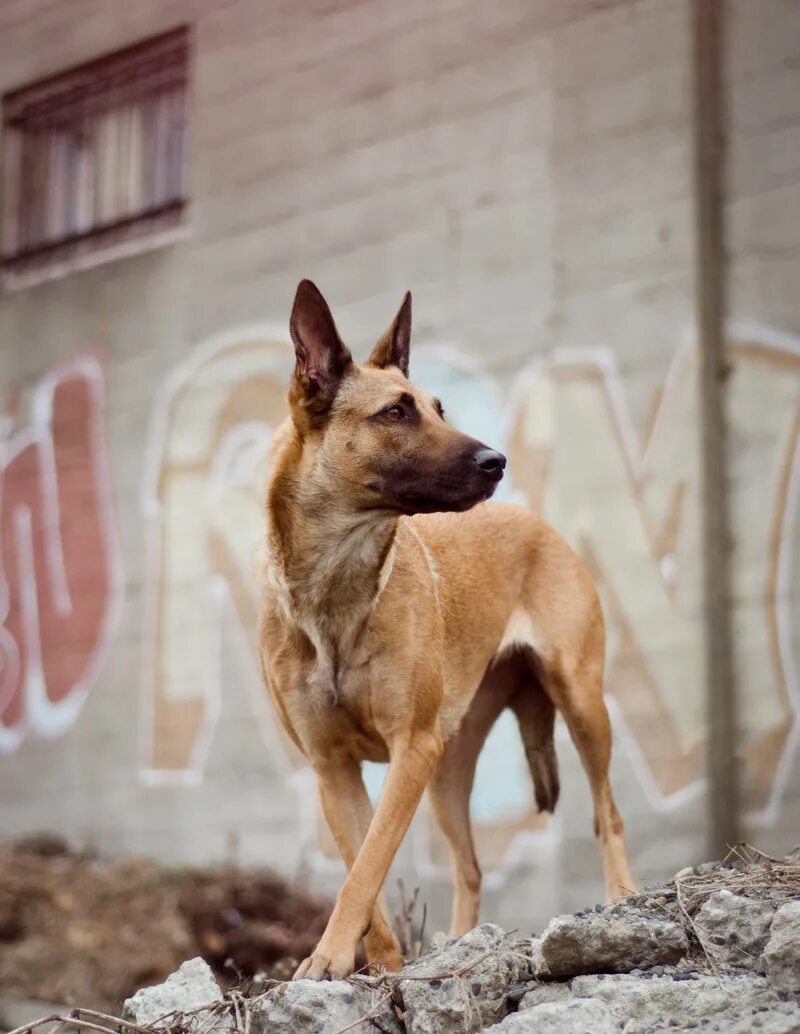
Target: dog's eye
x=439, y=408
x=395, y=413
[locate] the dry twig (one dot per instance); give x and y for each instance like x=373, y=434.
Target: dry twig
x=685, y=912
x=404, y=920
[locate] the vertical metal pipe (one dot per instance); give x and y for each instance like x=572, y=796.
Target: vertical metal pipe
x=709, y=154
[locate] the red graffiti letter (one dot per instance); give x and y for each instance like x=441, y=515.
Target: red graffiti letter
x=59, y=565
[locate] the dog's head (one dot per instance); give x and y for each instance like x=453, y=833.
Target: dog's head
x=373, y=432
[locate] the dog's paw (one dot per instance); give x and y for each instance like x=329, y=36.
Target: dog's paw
x=382, y=950
x=326, y=965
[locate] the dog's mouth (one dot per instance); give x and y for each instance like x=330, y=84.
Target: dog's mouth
x=438, y=504
x=427, y=496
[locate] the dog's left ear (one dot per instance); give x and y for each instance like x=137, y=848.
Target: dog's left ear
x=393, y=347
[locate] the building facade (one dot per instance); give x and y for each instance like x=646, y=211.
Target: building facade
x=527, y=170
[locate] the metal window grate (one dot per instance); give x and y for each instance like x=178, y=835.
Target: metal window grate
x=95, y=156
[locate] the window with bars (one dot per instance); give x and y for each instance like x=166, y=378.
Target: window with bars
x=94, y=160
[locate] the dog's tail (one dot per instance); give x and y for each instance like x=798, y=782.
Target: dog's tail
x=536, y=716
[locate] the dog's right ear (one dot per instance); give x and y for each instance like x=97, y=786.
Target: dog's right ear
x=393, y=347
x=322, y=360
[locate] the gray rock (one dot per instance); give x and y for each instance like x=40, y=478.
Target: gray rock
x=466, y=1003
x=782, y=954
x=536, y=959
x=644, y=1001
x=735, y=929
x=604, y=943
x=584, y=1016
x=781, y=1018
x=320, y=1007
x=192, y=985
x=640, y=1005
x=552, y=991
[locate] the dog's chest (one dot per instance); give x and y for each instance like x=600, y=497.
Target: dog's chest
x=338, y=670
x=333, y=710
x=340, y=678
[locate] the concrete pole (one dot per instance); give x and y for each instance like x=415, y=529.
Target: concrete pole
x=709, y=153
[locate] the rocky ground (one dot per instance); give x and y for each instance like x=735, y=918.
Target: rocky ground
x=715, y=949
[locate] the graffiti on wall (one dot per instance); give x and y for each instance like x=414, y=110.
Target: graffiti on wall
x=60, y=572
x=628, y=501
x=211, y=427
x=573, y=445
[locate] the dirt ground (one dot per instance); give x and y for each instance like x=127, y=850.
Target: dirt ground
x=77, y=930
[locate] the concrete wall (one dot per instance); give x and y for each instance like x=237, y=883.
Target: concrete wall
x=763, y=80
x=526, y=170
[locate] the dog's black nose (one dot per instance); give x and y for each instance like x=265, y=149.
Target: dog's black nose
x=490, y=461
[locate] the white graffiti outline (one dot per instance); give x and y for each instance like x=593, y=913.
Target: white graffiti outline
x=757, y=336
x=179, y=377
x=640, y=455
x=641, y=458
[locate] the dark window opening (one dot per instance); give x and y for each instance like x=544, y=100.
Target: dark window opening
x=95, y=158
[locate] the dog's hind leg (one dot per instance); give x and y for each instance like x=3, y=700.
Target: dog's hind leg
x=450, y=788
x=578, y=694
x=560, y=618
x=348, y=810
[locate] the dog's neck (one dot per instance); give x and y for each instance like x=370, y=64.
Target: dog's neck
x=331, y=557
x=327, y=561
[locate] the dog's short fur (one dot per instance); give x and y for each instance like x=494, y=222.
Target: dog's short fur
x=400, y=615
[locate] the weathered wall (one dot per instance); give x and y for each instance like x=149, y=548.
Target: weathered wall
x=526, y=169
x=763, y=214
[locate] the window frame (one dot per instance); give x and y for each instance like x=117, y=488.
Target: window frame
x=144, y=73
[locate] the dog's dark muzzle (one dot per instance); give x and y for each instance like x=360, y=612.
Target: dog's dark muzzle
x=418, y=485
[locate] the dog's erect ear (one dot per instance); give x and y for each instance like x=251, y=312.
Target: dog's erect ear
x=322, y=359
x=393, y=347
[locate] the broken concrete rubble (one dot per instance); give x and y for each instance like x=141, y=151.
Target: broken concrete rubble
x=191, y=985
x=604, y=943
x=736, y=928
x=641, y=1005
x=575, y=1016
x=309, y=1006
x=718, y=951
x=465, y=987
x=782, y=955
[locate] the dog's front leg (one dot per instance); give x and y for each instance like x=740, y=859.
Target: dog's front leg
x=413, y=759
x=348, y=810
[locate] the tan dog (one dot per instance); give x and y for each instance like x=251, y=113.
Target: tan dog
x=400, y=616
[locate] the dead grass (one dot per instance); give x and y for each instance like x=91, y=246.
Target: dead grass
x=759, y=876
x=746, y=872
